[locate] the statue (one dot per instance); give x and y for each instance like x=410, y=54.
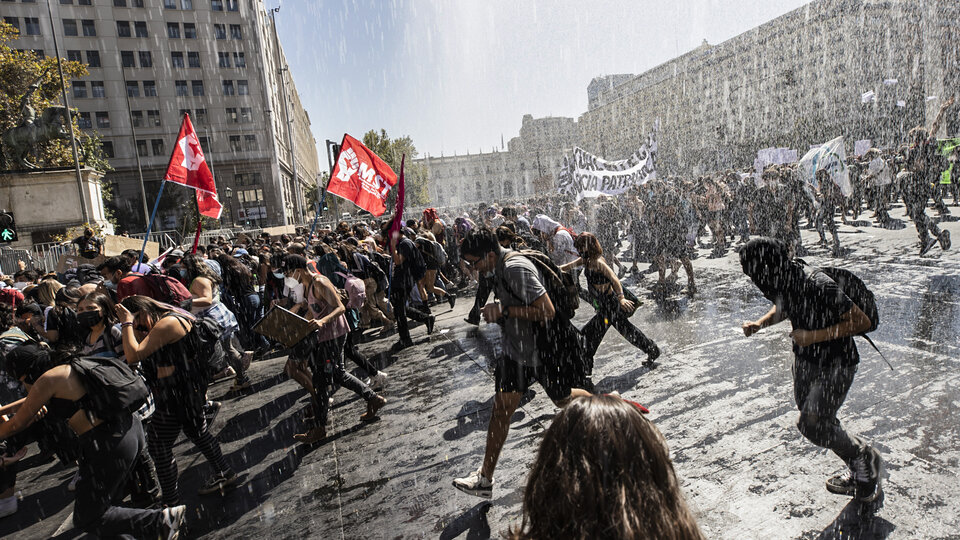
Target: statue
x=16, y=143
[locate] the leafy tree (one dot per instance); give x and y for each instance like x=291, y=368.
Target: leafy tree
x=18, y=70
x=415, y=175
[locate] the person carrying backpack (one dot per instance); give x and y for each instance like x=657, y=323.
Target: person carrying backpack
x=824, y=322
x=408, y=269
x=110, y=442
x=168, y=345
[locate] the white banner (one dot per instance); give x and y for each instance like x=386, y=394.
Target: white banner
x=830, y=157
x=586, y=175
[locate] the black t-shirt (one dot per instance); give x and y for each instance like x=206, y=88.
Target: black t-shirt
x=815, y=303
x=89, y=247
x=402, y=273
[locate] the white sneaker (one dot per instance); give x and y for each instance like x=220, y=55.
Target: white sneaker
x=8, y=506
x=72, y=486
x=475, y=484
x=378, y=382
x=172, y=520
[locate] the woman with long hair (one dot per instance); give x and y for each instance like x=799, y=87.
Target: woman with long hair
x=610, y=299
x=205, y=288
x=158, y=338
x=239, y=283
x=603, y=471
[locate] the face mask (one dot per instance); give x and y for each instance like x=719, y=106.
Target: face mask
x=278, y=275
x=88, y=319
x=183, y=274
x=290, y=282
x=110, y=285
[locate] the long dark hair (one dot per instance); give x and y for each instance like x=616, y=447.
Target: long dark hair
x=234, y=271
x=155, y=310
x=195, y=268
x=604, y=471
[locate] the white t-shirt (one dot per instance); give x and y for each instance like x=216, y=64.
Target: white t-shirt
x=563, y=251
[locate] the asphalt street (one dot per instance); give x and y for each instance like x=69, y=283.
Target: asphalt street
x=724, y=403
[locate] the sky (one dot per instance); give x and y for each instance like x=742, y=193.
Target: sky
x=457, y=75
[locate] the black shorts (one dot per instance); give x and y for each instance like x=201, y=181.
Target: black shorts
x=510, y=376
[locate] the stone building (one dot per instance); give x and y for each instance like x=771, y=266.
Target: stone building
x=795, y=81
x=152, y=60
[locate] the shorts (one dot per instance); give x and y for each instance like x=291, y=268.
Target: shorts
x=510, y=376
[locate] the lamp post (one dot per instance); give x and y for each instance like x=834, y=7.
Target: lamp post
x=228, y=194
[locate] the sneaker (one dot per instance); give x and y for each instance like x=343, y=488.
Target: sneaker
x=210, y=410
x=472, y=320
x=430, y=322
x=452, y=300
x=227, y=373
x=246, y=360
x=8, y=506
x=652, y=355
x=866, y=475
x=475, y=484
x=842, y=484
x=927, y=244
x=387, y=329
x=219, y=483
x=378, y=382
x=171, y=521
x=944, y=239
x=72, y=486
x=314, y=435
x=401, y=345
x=240, y=384
x=373, y=405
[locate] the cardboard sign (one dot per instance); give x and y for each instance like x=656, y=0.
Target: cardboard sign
x=284, y=229
x=70, y=260
x=115, y=245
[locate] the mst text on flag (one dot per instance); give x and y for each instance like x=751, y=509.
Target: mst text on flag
x=361, y=177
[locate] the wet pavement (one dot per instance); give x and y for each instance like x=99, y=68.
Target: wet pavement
x=724, y=403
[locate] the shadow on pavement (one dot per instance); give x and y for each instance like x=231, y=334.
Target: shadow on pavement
x=857, y=521
x=475, y=416
x=473, y=522
x=35, y=507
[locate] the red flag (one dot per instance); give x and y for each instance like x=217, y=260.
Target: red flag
x=361, y=177
x=188, y=167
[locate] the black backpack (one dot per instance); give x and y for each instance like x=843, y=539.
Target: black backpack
x=561, y=286
x=204, y=336
x=416, y=266
x=113, y=389
x=858, y=292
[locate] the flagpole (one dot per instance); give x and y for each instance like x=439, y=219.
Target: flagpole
x=316, y=218
x=153, y=215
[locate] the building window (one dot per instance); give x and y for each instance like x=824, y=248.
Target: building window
x=235, y=32
x=93, y=58
x=153, y=118
x=239, y=60
x=216, y=5
x=250, y=142
x=201, y=116
x=79, y=89
x=103, y=120
x=189, y=30
x=136, y=3
x=170, y=4
x=193, y=59
x=186, y=4
x=223, y=59
x=133, y=89
x=183, y=112
x=127, y=60
x=62, y=2
x=107, y=147
x=140, y=28
x=204, y=142
x=219, y=31
x=83, y=120
x=142, y=148
x=181, y=88
x=146, y=59
x=89, y=27
x=137, y=118
x=233, y=5
x=123, y=28
x=96, y=89
x=69, y=27
x=32, y=26
x=13, y=21
x=228, y=89
x=232, y=115
x=246, y=114
x=157, y=145
x=173, y=30
x=75, y=56
x=235, y=143
x=176, y=59
x=150, y=88
x=85, y=2
x=243, y=89
x=117, y=3
x=197, y=87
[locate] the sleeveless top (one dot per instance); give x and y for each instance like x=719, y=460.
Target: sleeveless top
x=595, y=278
x=320, y=309
x=215, y=296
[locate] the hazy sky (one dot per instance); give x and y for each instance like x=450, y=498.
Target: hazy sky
x=456, y=74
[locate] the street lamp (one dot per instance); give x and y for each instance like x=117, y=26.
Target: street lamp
x=228, y=194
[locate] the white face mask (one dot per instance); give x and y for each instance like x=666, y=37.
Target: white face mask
x=290, y=282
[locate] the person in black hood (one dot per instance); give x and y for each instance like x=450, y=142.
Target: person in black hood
x=824, y=322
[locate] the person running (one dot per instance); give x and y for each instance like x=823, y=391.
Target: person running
x=610, y=299
x=523, y=306
x=824, y=322
x=158, y=338
x=922, y=161
x=109, y=448
x=408, y=269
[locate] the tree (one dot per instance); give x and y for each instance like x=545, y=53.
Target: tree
x=391, y=151
x=18, y=70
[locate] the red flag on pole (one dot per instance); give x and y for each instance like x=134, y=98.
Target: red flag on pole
x=188, y=166
x=361, y=177
x=398, y=211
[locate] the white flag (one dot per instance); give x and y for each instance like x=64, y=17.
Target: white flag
x=830, y=157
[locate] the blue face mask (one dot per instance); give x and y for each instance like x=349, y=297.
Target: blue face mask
x=278, y=275
x=183, y=274
x=110, y=285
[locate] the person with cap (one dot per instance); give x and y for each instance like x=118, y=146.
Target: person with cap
x=824, y=322
x=109, y=447
x=558, y=240
x=323, y=349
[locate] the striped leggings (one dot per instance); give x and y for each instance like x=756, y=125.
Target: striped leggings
x=165, y=426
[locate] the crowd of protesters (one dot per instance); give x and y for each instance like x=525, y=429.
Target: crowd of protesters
x=182, y=321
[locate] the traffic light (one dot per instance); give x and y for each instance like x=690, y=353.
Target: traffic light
x=8, y=228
